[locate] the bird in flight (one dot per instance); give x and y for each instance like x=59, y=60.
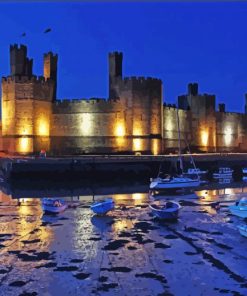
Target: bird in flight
x=23, y=34
x=47, y=30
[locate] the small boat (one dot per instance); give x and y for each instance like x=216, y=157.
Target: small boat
x=223, y=173
x=167, y=211
x=240, y=208
x=243, y=230
x=103, y=207
x=174, y=183
x=53, y=205
x=244, y=170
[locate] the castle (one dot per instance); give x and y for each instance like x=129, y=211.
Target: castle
x=133, y=119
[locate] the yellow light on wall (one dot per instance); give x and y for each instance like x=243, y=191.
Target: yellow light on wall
x=24, y=145
x=137, y=131
x=169, y=125
x=137, y=145
x=204, y=138
x=119, y=130
x=86, y=127
x=43, y=129
x=228, y=136
x=155, y=147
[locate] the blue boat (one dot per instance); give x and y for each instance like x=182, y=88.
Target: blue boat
x=53, y=205
x=167, y=211
x=103, y=207
x=243, y=230
x=240, y=208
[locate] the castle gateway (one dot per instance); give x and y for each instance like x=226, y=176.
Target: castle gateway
x=133, y=118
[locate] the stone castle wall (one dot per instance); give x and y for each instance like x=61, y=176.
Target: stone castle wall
x=132, y=120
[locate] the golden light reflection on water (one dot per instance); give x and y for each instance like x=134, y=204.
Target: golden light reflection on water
x=123, y=224
x=30, y=214
x=131, y=199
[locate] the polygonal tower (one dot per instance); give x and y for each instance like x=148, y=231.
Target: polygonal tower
x=26, y=105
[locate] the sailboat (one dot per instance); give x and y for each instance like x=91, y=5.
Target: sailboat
x=178, y=181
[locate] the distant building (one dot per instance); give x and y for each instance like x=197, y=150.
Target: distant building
x=132, y=120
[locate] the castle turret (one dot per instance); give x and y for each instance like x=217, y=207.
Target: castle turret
x=193, y=89
x=50, y=69
x=115, y=73
x=19, y=63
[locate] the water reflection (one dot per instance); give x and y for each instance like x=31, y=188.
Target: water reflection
x=102, y=223
x=77, y=234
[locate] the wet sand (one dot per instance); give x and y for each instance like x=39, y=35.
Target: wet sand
x=127, y=252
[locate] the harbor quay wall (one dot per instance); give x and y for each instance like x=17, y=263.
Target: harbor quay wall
x=100, y=168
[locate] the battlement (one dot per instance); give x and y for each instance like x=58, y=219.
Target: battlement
x=51, y=54
x=16, y=46
x=115, y=53
x=26, y=79
x=85, y=101
x=170, y=106
x=141, y=79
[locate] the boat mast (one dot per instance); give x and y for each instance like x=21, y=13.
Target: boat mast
x=179, y=144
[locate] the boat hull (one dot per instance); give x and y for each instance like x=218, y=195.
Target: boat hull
x=102, y=208
x=53, y=210
x=222, y=176
x=238, y=211
x=174, y=185
x=165, y=214
x=243, y=230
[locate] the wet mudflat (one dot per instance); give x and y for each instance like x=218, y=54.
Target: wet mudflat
x=127, y=252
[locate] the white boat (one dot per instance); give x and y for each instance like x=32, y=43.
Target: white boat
x=167, y=211
x=223, y=173
x=195, y=171
x=53, y=206
x=240, y=208
x=243, y=230
x=179, y=181
x=244, y=170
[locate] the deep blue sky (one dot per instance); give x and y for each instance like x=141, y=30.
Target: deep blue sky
x=177, y=42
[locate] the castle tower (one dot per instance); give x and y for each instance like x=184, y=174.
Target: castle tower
x=19, y=63
x=115, y=73
x=26, y=105
x=193, y=89
x=50, y=69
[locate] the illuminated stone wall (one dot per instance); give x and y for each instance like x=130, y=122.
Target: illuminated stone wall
x=26, y=113
x=203, y=119
x=132, y=120
x=90, y=126
x=170, y=128
x=230, y=132
x=143, y=100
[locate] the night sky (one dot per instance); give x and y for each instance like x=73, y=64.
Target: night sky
x=177, y=42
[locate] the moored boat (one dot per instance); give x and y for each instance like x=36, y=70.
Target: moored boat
x=195, y=171
x=223, y=173
x=53, y=205
x=240, y=208
x=243, y=230
x=167, y=211
x=103, y=207
x=174, y=183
